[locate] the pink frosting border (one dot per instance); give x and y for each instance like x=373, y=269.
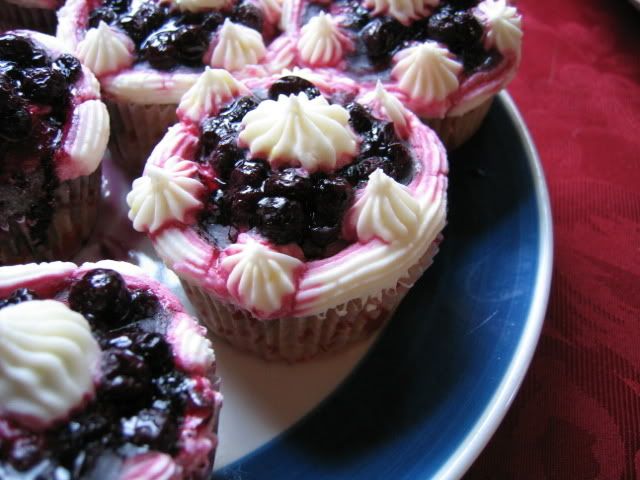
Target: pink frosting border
x=201, y=263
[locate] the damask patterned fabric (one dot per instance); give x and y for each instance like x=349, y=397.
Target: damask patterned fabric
x=577, y=415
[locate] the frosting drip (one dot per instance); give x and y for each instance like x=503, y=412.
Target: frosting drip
x=164, y=194
x=402, y=10
x=426, y=72
x=237, y=47
x=104, y=50
x=213, y=89
x=48, y=359
x=259, y=278
x=322, y=44
x=385, y=210
x=504, y=25
x=297, y=131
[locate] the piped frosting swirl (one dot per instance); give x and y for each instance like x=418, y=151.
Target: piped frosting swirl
x=237, y=47
x=426, y=72
x=402, y=10
x=295, y=130
x=392, y=108
x=504, y=25
x=104, y=50
x=322, y=44
x=48, y=360
x=164, y=194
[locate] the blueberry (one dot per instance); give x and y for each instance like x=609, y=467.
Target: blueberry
x=160, y=51
x=377, y=138
x=292, y=85
x=360, y=171
x=125, y=376
x=288, y=183
x=102, y=14
x=332, y=197
x=242, y=205
x=224, y=156
x=239, y=108
x=458, y=30
x=101, y=295
x=360, y=117
x=44, y=85
x=213, y=130
x=249, y=15
x=281, y=219
x=174, y=387
x=10, y=71
x=151, y=426
x=323, y=235
x=15, y=120
x=191, y=43
x=144, y=304
x=119, y=6
x=400, y=160
x=248, y=172
x=20, y=50
x=18, y=296
x=211, y=21
x=147, y=18
x=381, y=35
x=68, y=66
x=215, y=209
x=357, y=17
x=154, y=349
x=25, y=453
x=77, y=433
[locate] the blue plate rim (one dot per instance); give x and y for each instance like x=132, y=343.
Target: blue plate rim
x=478, y=437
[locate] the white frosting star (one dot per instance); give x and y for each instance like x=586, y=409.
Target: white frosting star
x=104, y=50
x=322, y=44
x=237, y=47
x=504, y=25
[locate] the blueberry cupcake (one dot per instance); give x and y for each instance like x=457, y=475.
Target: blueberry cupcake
x=53, y=134
x=147, y=54
x=102, y=375
x=444, y=59
x=296, y=217
x=37, y=15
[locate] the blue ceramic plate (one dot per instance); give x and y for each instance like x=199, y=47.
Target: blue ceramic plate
x=423, y=399
x=429, y=393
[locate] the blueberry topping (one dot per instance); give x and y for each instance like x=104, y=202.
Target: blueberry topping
x=25, y=453
x=21, y=50
x=102, y=14
x=281, y=219
x=456, y=29
x=144, y=304
x=191, y=43
x=248, y=14
x=150, y=426
x=288, y=183
x=381, y=36
x=239, y=108
x=292, y=85
x=18, y=296
x=147, y=18
x=101, y=295
x=360, y=118
x=332, y=197
x=43, y=84
x=248, y=172
x=159, y=50
x=125, y=375
x=242, y=205
x=68, y=66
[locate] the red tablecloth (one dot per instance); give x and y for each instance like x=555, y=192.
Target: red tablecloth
x=577, y=415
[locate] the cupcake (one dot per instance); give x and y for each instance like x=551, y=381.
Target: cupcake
x=53, y=134
x=445, y=60
x=37, y=15
x=297, y=216
x=146, y=54
x=102, y=375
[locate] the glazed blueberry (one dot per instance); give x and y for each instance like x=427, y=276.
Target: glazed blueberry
x=323, y=235
x=154, y=349
x=150, y=426
x=119, y=6
x=281, y=219
x=213, y=130
x=360, y=171
x=457, y=29
x=357, y=17
x=125, y=376
x=381, y=35
x=25, y=453
x=238, y=109
x=191, y=43
x=68, y=66
x=15, y=119
x=43, y=84
x=160, y=51
x=288, y=183
x=19, y=296
x=332, y=197
x=242, y=205
x=360, y=118
x=249, y=15
x=144, y=304
x=224, y=156
x=21, y=50
x=211, y=21
x=138, y=25
x=101, y=295
x=292, y=85
x=248, y=172
x=102, y=14
x=173, y=386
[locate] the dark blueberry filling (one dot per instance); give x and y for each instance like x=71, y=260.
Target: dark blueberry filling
x=167, y=38
x=35, y=93
x=287, y=205
x=139, y=403
x=378, y=38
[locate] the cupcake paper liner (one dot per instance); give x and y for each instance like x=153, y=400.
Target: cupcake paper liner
x=301, y=338
x=13, y=16
x=454, y=131
x=135, y=131
x=76, y=204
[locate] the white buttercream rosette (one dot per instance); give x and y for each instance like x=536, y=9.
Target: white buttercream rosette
x=262, y=297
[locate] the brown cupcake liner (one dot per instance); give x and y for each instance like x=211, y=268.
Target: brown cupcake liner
x=454, y=131
x=13, y=16
x=135, y=131
x=76, y=206
x=301, y=338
